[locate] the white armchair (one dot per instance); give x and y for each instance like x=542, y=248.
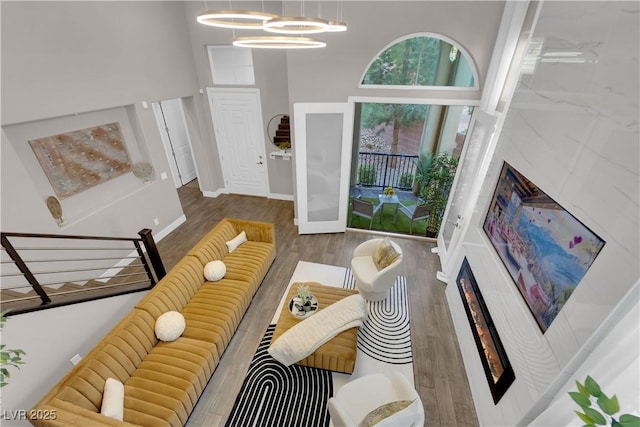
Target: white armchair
x=356, y=399
x=373, y=284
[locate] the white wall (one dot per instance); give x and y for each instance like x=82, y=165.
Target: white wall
x=333, y=73
x=50, y=339
x=611, y=359
x=71, y=65
x=62, y=58
x=572, y=130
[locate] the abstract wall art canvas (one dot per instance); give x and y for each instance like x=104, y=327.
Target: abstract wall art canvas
x=546, y=250
x=78, y=160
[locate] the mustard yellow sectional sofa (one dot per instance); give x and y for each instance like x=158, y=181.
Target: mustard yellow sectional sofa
x=163, y=380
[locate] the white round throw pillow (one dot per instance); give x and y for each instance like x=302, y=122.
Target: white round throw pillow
x=214, y=271
x=170, y=325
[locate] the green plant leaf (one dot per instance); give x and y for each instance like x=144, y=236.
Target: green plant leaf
x=628, y=420
x=583, y=390
x=596, y=416
x=585, y=418
x=609, y=406
x=580, y=399
x=592, y=386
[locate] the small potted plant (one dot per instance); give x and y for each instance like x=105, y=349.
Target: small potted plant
x=599, y=409
x=304, y=293
x=304, y=303
x=11, y=358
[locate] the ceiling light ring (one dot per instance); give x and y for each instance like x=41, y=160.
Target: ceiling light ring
x=296, y=25
x=225, y=18
x=278, y=42
x=336, y=26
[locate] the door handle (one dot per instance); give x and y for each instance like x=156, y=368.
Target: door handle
x=258, y=163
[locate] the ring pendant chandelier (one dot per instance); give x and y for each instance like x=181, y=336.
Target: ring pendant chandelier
x=293, y=29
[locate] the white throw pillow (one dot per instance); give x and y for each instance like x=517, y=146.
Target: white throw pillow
x=170, y=325
x=236, y=241
x=113, y=399
x=214, y=271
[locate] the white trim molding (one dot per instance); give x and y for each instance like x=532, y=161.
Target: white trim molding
x=214, y=194
x=169, y=228
x=120, y=265
x=278, y=196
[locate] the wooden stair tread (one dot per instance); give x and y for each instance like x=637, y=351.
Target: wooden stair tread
x=8, y=294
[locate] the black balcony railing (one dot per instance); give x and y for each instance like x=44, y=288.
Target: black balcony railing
x=386, y=170
x=48, y=270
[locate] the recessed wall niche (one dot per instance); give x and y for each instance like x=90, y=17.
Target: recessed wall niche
x=81, y=204
x=493, y=356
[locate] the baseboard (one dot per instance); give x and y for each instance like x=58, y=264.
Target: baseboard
x=117, y=268
x=168, y=229
x=277, y=196
x=392, y=235
x=214, y=194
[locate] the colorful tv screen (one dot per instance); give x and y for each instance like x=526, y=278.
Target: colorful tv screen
x=546, y=250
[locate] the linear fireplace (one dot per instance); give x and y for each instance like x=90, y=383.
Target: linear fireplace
x=494, y=359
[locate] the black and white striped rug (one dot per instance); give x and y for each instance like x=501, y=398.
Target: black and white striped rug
x=386, y=335
x=275, y=395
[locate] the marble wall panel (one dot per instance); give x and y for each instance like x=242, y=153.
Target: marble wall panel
x=572, y=129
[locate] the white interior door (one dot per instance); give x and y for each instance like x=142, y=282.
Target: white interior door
x=323, y=140
x=175, y=139
x=237, y=121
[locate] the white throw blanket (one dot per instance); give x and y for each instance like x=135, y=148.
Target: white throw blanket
x=305, y=337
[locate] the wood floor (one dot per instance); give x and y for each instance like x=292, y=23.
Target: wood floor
x=439, y=372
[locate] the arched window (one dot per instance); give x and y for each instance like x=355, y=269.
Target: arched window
x=421, y=60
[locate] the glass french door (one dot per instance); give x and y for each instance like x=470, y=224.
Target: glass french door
x=323, y=140
x=467, y=185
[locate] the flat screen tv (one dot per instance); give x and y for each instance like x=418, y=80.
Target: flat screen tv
x=546, y=250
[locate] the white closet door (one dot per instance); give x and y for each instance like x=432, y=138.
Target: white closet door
x=323, y=140
x=179, y=138
x=172, y=125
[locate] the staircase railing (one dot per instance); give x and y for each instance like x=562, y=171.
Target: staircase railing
x=49, y=270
